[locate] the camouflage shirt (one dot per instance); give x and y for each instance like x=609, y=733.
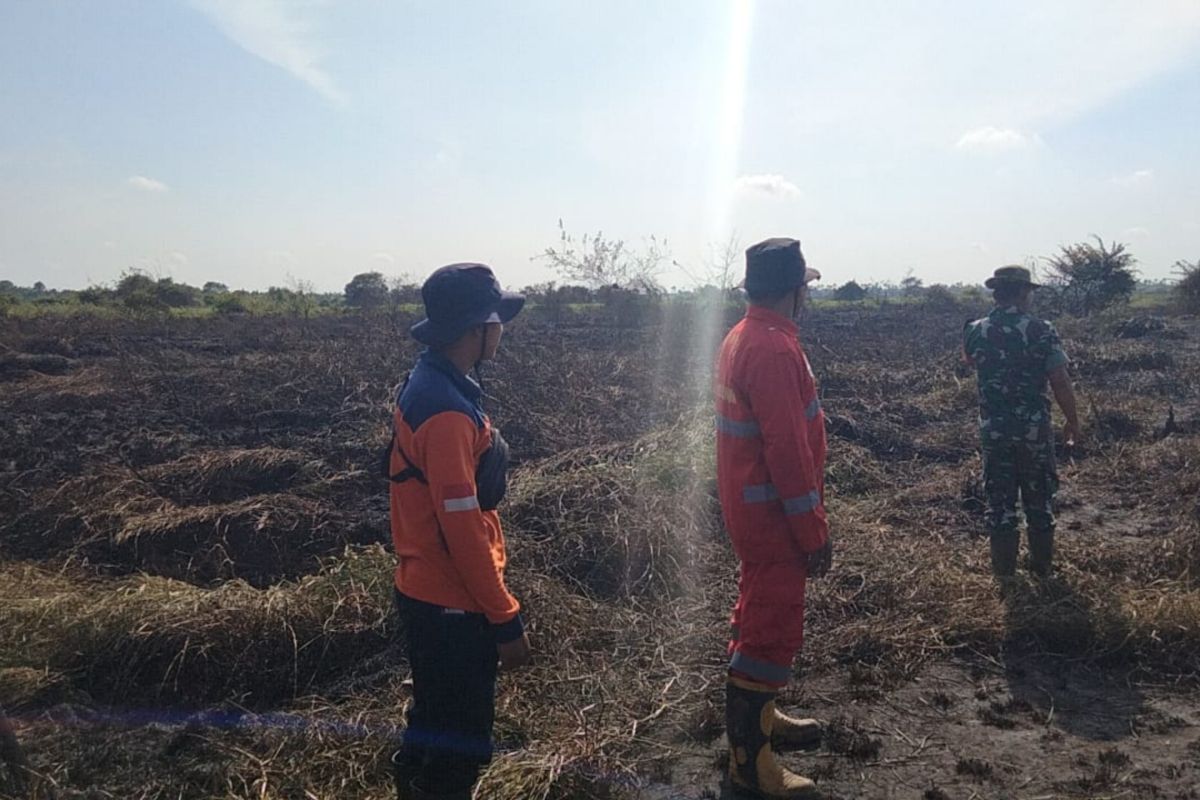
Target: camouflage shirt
x=1013, y=353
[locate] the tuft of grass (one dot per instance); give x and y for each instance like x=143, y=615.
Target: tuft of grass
x=156, y=639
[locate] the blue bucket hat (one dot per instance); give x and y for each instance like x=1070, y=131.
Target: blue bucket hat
x=458, y=297
x=775, y=266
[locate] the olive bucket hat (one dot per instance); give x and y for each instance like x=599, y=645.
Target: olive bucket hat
x=458, y=297
x=1012, y=275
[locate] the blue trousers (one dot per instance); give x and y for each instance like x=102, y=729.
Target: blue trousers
x=448, y=738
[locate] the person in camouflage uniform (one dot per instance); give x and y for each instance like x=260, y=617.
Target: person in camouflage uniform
x=1015, y=355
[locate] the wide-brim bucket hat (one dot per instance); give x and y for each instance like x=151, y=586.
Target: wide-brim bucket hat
x=1012, y=275
x=460, y=296
x=774, y=266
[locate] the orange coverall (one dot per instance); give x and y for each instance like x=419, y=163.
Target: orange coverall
x=770, y=474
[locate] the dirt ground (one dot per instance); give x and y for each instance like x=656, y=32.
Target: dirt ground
x=195, y=580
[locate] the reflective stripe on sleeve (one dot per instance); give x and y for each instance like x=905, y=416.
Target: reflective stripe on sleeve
x=766, y=493
x=759, y=493
x=741, y=429
x=461, y=503
x=801, y=505
x=762, y=670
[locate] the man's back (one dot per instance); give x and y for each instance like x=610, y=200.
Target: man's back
x=770, y=440
x=1013, y=353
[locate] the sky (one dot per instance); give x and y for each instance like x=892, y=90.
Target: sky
x=268, y=142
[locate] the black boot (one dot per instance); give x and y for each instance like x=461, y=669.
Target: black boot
x=1005, y=545
x=1041, y=551
x=418, y=793
x=403, y=772
x=753, y=770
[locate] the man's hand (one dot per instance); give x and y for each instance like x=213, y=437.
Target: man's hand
x=820, y=561
x=514, y=654
x=1064, y=393
x=1072, y=433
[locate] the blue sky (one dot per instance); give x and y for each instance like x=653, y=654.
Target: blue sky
x=257, y=142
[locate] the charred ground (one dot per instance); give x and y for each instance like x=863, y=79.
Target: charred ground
x=195, y=580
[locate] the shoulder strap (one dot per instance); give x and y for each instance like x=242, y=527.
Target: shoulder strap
x=410, y=470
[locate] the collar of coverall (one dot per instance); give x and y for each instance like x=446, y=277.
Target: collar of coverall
x=772, y=318
x=444, y=365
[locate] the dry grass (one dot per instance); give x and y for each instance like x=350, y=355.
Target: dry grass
x=156, y=639
x=616, y=553
x=206, y=517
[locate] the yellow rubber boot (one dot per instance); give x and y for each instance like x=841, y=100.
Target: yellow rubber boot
x=750, y=719
x=793, y=732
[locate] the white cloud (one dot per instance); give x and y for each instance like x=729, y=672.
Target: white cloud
x=1029, y=66
x=774, y=185
x=1135, y=233
x=990, y=140
x=147, y=184
x=274, y=31
x=383, y=257
x=1136, y=178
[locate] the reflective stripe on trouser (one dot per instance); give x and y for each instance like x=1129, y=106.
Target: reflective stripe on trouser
x=766, y=493
x=768, y=673
x=768, y=621
x=740, y=429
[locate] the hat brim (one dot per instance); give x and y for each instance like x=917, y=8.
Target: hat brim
x=511, y=304
x=430, y=334
x=993, y=282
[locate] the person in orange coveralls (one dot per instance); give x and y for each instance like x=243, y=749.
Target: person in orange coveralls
x=770, y=474
x=447, y=468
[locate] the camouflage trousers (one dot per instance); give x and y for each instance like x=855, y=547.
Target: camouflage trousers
x=1012, y=469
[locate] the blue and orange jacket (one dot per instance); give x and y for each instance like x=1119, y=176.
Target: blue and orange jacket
x=451, y=552
x=770, y=441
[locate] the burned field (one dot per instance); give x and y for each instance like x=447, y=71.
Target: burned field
x=194, y=575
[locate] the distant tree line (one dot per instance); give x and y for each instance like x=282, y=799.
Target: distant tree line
x=599, y=272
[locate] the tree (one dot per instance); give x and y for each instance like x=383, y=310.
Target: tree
x=214, y=287
x=939, y=296
x=231, y=303
x=1187, y=291
x=94, y=295
x=1087, y=277
x=721, y=270
x=367, y=290
x=911, y=285
x=850, y=292
x=595, y=261
x=403, y=290
x=135, y=290
x=176, y=295
x=142, y=293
